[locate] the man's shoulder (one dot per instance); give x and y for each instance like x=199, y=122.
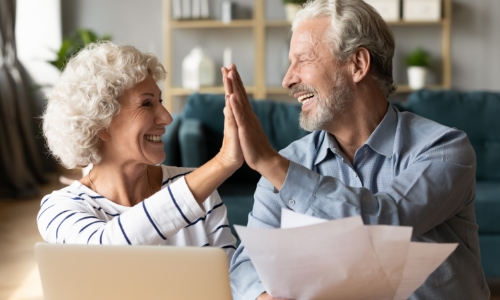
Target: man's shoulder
x=416, y=135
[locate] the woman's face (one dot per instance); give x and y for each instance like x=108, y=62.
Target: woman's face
x=134, y=135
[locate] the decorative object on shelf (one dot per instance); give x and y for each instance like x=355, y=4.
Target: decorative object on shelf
x=227, y=57
x=422, y=10
x=198, y=70
x=227, y=11
x=292, y=7
x=190, y=9
x=418, y=63
x=186, y=9
x=176, y=9
x=389, y=10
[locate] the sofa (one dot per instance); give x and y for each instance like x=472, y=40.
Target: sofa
x=197, y=134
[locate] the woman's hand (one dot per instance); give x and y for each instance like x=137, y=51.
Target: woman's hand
x=230, y=154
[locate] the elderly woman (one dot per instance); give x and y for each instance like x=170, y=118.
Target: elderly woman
x=106, y=110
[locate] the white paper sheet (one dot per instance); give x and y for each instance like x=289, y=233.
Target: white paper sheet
x=311, y=258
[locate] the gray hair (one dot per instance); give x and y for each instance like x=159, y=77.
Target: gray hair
x=86, y=98
x=355, y=24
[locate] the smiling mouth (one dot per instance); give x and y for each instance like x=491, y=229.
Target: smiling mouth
x=305, y=98
x=153, y=138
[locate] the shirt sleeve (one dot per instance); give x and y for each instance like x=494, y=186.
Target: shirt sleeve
x=69, y=219
x=217, y=226
x=437, y=184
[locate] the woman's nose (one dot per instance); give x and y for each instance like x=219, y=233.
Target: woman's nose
x=163, y=116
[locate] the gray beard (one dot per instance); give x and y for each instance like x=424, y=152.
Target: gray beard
x=327, y=109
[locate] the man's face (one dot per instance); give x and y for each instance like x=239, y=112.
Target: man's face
x=315, y=77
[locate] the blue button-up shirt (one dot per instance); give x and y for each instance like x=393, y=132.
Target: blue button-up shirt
x=410, y=172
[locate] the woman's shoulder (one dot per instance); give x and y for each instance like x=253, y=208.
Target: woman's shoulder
x=170, y=173
x=74, y=193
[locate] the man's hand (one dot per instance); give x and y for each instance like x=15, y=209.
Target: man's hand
x=257, y=151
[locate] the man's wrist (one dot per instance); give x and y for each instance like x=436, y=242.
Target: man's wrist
x=274, y=169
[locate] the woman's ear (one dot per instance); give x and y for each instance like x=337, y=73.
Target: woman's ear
x=103, y=134
x=360, y=62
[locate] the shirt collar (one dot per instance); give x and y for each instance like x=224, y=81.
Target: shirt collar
x=381, y=140
x=328, y=142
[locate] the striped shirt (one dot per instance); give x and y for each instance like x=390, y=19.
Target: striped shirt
x=411, y=172
x=78, y=215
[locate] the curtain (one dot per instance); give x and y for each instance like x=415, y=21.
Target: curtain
x=21, y=163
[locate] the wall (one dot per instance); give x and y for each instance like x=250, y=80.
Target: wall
x=475, y=45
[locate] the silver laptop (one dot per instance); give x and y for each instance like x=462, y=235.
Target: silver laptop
x=132, y=272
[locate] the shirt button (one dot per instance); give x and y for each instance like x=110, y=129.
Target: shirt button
x=291, y=202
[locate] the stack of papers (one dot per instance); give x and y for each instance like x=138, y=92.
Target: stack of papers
x=311, y=258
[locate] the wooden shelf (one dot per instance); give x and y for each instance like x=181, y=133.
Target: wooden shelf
x=179, y=91
x=406, y=89
x=278, y=23
x=198, y=24
x=258, y=25
x=416, y=23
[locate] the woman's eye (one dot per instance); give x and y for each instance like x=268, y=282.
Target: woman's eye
x=147, y=103
x=161, y=100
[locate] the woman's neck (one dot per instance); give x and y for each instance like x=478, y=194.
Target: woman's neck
x=126, y=185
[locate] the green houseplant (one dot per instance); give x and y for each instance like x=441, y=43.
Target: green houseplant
x=72, y=44
x=418, y=63
x=292, y=7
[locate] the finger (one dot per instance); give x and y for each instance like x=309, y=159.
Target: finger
x=227, y=82
x=239, y=90
x=237, y=75
x=236, y=110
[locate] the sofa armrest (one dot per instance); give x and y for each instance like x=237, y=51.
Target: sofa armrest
x=171, y=142
x=192, y=143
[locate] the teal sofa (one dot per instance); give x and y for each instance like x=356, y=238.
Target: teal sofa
x=197, y=134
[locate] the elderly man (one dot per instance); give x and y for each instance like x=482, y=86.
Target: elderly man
x=363, y=157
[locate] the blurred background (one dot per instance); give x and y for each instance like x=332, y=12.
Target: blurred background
x=459, y=49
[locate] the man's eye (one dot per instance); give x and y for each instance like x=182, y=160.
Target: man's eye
x=161, y=100
x=147, y=103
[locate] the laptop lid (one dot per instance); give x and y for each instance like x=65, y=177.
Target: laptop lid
x=132, y=272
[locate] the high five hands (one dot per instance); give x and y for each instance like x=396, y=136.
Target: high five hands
x=240, y=118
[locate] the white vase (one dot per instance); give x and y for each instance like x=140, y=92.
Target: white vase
x=197, y=70
x=417, y=77
x=291, y=10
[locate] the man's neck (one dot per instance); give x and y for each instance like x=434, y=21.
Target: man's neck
x=356, y=123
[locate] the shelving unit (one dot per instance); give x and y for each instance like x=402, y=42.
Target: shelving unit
x=258, y=24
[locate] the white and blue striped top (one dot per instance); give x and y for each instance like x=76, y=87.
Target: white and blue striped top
x=78, y=215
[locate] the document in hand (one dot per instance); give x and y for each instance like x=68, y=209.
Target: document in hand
x=311, y=258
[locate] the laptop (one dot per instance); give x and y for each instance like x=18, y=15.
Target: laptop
x=132, y=272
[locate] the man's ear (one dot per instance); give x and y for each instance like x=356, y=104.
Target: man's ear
x=360, y=64
x=103, y=134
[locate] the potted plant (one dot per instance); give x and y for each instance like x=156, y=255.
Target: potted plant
x=418, y=63
x=292, y=7
x=71, y=45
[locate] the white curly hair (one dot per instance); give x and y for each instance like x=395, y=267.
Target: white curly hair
x=86, y=98
x=354, y=24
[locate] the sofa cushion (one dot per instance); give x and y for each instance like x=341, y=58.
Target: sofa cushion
x=475, y=113
x=490, y=245
x=488, y=206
